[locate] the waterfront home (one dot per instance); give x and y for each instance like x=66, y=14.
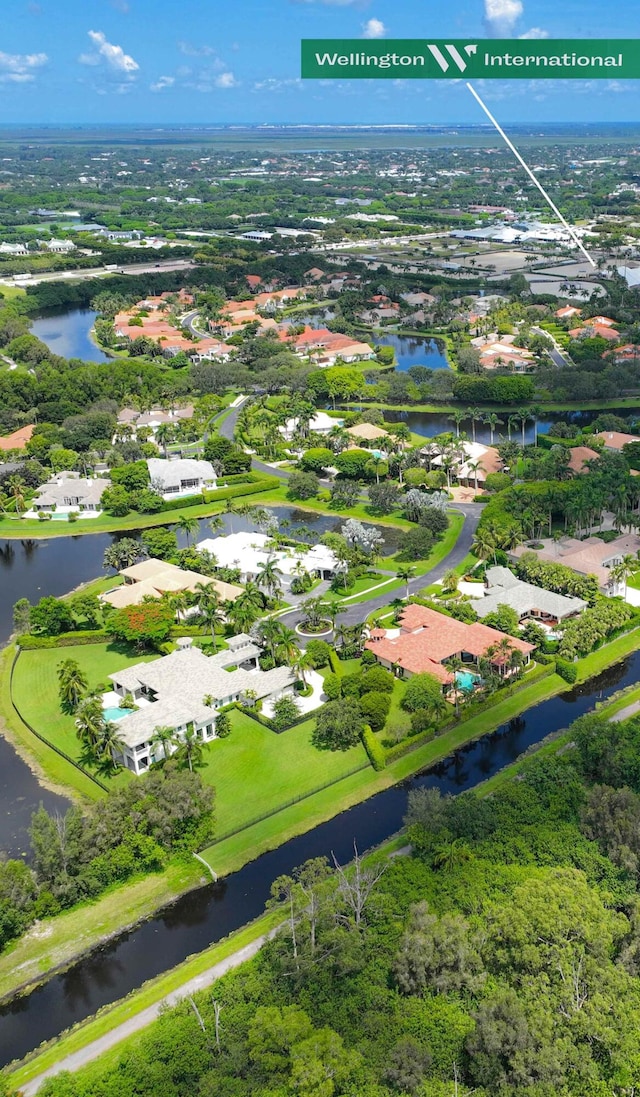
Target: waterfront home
x=68, y=491
x=246, y=551
x=471, y=462
x=185, y=691
x=589, y=557
x=182, y=477
x=503, y=588
x=615, y=439
x=153, y=578
x=427, y=639
x=320, y=424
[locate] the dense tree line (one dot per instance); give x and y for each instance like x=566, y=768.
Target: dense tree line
x=500, y=959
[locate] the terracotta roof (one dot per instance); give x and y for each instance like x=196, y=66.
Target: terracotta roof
x=18, y=439
x=579, y=457
x=615, y=439
x=427, y=638
x=368, y=431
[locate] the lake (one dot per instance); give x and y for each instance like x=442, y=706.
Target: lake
x=66, y=332
x=413, y=350
x=429, y=424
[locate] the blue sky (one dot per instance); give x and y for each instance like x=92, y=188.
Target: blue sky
x=214, y=61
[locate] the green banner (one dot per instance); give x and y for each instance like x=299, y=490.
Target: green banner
x=479, y=59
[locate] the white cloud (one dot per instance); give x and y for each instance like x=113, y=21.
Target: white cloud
x=195, y=51
x=535, y=32
x=225, y=80
x=271, y=83
x=502, y=15
x=163, y=82
x=114, y=56
x=373, y=28
x=20, y=68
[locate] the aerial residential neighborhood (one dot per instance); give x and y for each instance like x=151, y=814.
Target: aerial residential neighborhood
x=319, y=549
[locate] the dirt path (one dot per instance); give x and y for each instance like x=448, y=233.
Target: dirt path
x=145, y=1017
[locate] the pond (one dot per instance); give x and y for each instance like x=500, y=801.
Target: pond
x=66, y=332
x=429, y=424
x=202, y=917
x=414, y=350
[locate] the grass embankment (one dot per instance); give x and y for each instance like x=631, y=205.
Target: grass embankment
x=35, y=692
x=53, y=943
x=32, y=527
x=230, y=854
x=52, y=771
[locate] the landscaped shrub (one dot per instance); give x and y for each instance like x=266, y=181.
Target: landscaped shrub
x=334, y=662
x=320, y=652
x=368, y=658
x=422, y=720
x=375, y=708
x=373, y=748
x=378, y=679
x=332, y=686
x=566, y=670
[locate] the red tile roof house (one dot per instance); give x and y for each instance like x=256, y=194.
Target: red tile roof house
x=427, y=639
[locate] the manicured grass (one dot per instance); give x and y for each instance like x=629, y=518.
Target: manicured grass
x=33, y=527
x=608, y=654
x=255, y=770
x=52, y=771
x=35, y=690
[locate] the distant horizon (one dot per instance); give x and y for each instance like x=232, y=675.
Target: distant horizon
x=172, y=125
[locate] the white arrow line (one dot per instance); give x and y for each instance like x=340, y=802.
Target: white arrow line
x=572, y=232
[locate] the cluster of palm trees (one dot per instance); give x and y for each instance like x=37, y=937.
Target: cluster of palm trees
x=281, y=644
x=186, y=748
x=100, y=738
x=516, y=420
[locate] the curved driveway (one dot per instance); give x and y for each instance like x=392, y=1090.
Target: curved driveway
x=359, y=611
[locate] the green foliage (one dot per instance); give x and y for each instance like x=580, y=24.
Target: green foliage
x=145, y=624
x=423, y=692
x=566, y=670
x=303, y=485
x=375, y=708
x=339, y=725
x=320, y=652
x=373, y=748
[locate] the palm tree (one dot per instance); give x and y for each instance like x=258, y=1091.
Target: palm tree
x=209, y=609
x=72, y=684
x=215, y=523
x=230, y=508
x=163, y=737
x=485, y=543
x=89, y=722
x=492, y=421
x=188, y=525
x=269, y=575
x=512, y=421
x=475, y=467
x=451, y=855
x=269, y=630
x=457, y=417
x=302, y=663
x=17, y=488
x=455, y=664
x=523, y=416
x=475, y=415
x=110, y=743
x=406, y=573
x=164, y=435
x=246, y=609
x=287, y=649
x=534, y=413
x=189, y=748
x=450, y=581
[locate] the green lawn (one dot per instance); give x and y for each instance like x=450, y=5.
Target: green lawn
x=35, y=688
x=255, y=771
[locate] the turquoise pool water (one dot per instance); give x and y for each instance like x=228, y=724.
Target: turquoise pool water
x=466, y=681
x=113, y=713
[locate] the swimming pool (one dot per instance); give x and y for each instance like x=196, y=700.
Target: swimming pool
x=466, y=681
x=113, y=713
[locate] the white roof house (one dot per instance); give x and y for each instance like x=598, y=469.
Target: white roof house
x=171, y=692
x=69, y=492
x=247, y=550
x=503, y=588
x=320, y=424
x=182, y=477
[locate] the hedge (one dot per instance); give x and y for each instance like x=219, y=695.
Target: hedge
x=29, y=642
x=334, y=663
x=567, y=670
x=373, y=748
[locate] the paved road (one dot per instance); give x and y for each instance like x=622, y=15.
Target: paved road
x=100, y=272
x=146, y=1016
x=358, y=612
x=557, y=357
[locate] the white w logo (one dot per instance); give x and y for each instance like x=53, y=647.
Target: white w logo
x=454, y=54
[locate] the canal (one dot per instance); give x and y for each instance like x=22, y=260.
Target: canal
x=209, y=914
x=429, y=423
